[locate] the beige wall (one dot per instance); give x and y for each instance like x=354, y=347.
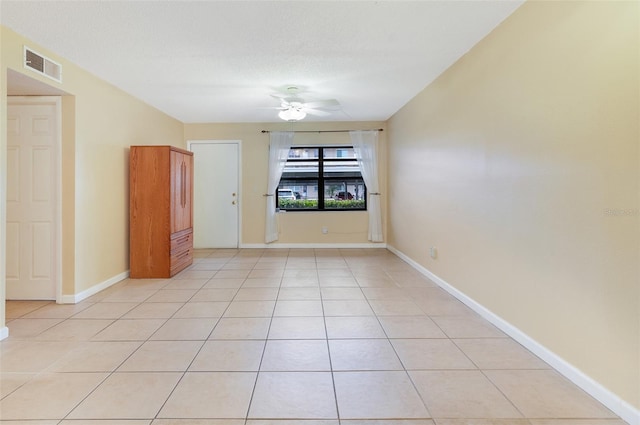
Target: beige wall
x=100, y=122
x=348, y=227
x=521, y=165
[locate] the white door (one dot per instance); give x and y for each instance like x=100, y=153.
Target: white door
x=33, y=140
x=216, y=166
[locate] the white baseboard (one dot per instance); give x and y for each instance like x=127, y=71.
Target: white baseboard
x=625, y=410
x=314, y=245
x=74, y=299
x=4, y=333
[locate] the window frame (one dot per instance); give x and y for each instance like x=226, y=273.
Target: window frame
x=321, y=179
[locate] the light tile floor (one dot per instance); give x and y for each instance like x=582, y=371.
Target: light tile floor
x=277, y=337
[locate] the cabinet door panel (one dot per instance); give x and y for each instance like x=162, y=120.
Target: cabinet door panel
x=181, y=191
x=187, y=214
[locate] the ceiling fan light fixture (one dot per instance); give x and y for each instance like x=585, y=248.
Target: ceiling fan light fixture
x=292, y=114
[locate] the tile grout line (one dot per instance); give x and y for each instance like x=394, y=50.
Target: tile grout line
x=264, y=348
x=184, y=373
x=142, y=342
x=404, y=368
x=326, y=334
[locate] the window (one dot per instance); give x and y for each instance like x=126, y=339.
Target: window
x=321, y=178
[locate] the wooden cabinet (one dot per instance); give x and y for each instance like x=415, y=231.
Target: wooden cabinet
x=160, y=211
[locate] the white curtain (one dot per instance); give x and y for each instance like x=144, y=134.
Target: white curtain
x=365, y=146
x=280, y=142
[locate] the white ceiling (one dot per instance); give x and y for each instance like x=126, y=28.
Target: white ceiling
x=219, y=61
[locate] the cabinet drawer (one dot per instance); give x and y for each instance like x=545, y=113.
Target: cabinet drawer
x=180, y=241
x=181, y=260
x=181, y=250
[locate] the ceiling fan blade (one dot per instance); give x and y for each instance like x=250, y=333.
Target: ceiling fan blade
x=330, y=104
x=316, y=112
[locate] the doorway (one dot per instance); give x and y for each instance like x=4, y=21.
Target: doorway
x=216, y=196
x=33, y=241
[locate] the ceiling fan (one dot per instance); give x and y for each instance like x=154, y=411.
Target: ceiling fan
x=295, y=108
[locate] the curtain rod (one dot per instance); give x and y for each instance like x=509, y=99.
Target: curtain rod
x=325, y=131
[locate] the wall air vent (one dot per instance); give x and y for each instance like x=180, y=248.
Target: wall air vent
x=42, y=65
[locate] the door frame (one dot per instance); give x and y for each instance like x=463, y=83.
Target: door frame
x=240, y=192
x=57, y=102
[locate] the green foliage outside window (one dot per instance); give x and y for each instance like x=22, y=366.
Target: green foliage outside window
x=311, y=204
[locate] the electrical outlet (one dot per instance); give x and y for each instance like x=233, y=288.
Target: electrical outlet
x=433, y=252
x=325, y=230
